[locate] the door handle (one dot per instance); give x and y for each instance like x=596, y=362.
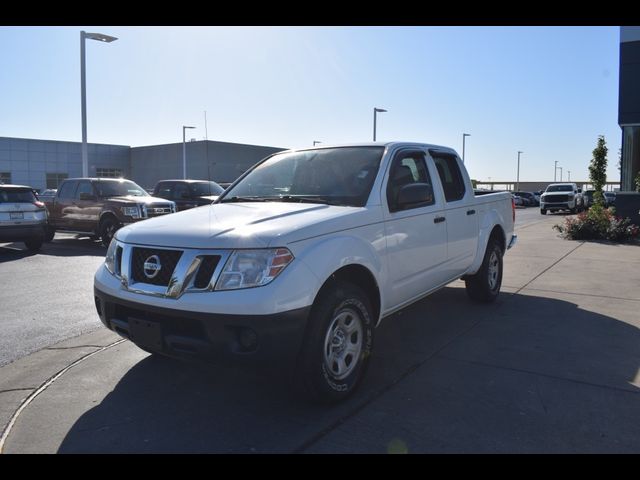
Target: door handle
x=439, y=219
x=471, y=212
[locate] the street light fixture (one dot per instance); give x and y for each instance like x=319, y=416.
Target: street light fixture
x=316, y=141
x=83, y=91
x=375, y=112
x=184, y=152
x=464, y=135
x=518, y=174
x=568, y=175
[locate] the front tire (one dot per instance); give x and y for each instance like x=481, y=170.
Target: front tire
x=338, y=344
x=484, y=286
x=49, y=233
x=108, y=228
x=543, y=211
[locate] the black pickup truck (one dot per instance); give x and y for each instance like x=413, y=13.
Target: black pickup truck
x=98, y=207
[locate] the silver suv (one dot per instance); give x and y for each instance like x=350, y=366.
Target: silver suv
x=23, y=218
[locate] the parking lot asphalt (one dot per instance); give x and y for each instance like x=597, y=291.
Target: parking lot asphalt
x=552, y=366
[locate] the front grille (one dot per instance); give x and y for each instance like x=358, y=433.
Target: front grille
x=168, y=261
x=556, y=198
x=207, y=267
x=155, y=210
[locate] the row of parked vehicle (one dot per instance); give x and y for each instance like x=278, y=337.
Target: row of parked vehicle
x=95, y=207
x=561, y=196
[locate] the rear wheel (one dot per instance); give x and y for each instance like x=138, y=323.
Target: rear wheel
x=338, y=344
x=49, y=233
x=484, y=286
x=543, y=211
x=34, y=244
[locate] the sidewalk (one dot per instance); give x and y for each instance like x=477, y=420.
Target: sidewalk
x=552, y=366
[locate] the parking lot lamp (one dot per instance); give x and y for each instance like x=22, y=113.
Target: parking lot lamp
x=316, y=141
x=560, y=173
x=555, y=170
x=184, y=152
x=518, y=174
x=464, y=135
x=83, y=92
x=375, y=112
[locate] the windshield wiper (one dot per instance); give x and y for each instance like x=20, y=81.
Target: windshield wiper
x=303, y=199
x=244, y=199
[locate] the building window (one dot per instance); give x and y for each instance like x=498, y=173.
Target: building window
x=5, y=177
x=55, y=179
x=109, y=172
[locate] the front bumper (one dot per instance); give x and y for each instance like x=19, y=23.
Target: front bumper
x=217, y=338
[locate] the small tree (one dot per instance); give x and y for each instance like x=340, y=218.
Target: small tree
x=598, y=170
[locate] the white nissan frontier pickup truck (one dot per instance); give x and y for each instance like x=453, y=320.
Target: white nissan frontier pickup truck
x=303, y=256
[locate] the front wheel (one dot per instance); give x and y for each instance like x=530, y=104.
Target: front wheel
x=338, y=343
x=543, y=211
x=34, y=244
x=108, y=228
x=484, y=286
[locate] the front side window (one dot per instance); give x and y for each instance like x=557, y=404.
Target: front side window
x=406, y=169
x=122, y=188
x=337, y=176
x=67, y=190
x=163, y=190
x=84, y=187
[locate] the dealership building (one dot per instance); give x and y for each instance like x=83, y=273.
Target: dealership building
x=45, y=163
x=629, y=106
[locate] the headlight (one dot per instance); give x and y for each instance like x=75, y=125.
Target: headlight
x=110, y=259
x=131, y=211
x=253, y=268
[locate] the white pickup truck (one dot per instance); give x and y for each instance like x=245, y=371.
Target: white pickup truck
x=303, y=256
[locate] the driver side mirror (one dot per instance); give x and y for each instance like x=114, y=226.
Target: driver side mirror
x=579, y=190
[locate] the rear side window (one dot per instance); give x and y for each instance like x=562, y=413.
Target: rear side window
x=450, y=176
x=14, y=195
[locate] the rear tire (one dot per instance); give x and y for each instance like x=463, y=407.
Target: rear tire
x=543, y=211
x=337, y=346
x=34, y=244
x=484, y=286
x=49, y=233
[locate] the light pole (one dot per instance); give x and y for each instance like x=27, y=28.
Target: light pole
x=518, y=174
x=375, y=112
x=568, y=175
x=316, y=141
x=560, y=173
x=555, y=170
x=464, y=135
x=184, y=153
x=83, y=92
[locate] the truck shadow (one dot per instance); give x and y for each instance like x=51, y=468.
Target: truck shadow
x=65, y=246
x=526, y=374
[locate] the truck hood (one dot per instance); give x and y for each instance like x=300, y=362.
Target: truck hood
x=138, y=199
x=243, y=225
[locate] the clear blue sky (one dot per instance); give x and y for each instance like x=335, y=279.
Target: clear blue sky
x=547, y=91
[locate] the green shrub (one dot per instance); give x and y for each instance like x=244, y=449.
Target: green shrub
x=598, y=223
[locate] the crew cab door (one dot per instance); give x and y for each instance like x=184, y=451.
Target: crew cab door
x=415, y=234
x=63, y=204
x=460, y=211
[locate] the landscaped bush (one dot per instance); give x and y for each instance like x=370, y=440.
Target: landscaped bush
x=598, y=223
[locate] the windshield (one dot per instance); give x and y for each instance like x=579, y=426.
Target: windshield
x=201, y=189
x=560, y=188
x=16, y=196
x=337, y=176
x=120, y=188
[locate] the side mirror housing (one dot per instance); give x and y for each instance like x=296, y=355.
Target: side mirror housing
x=414, y=195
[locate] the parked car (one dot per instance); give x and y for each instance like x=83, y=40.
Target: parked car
x=587, y=198
x=99, y=206
x=610, y=198
x=23, y=218
x=188, y=193
x=518, y=201
x=561, y=196
x=528, y=197
x=298, y=262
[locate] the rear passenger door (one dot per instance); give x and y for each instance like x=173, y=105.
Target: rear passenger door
x=415, y=235
x=460, y=211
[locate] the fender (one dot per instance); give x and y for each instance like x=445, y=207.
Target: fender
x=325, y=256
x=489, y=220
